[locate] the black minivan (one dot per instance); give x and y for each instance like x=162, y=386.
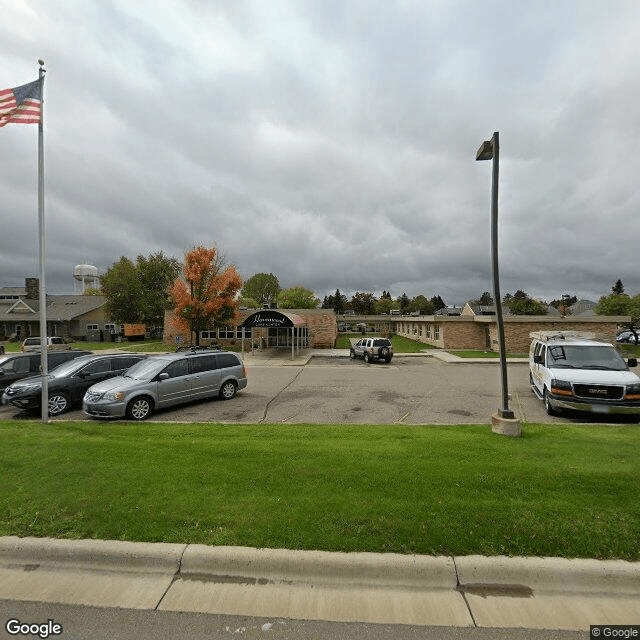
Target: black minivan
x=15, y=366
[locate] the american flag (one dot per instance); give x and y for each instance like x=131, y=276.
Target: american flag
x=22, y=104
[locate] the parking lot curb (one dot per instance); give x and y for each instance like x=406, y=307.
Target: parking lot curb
x=578, y=575
x=265, y=566
x=102, y=555
x=282, y=566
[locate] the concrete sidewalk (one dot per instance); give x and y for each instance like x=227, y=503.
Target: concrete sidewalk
x=468, y=591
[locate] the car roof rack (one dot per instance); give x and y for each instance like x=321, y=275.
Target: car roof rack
x=192, y=348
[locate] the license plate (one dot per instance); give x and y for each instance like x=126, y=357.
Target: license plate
x=599, y=408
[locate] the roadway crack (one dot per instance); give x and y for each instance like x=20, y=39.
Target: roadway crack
x=286, y=386
x=460, y=590
x=175, y=577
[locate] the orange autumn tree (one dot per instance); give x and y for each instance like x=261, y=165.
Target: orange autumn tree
x=205, y=296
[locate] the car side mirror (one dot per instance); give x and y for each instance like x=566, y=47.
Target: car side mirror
x=537, y=359
x=632, y=362
x=163, y=376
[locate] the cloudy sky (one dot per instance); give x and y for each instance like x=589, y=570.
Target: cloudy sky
x=331, y=143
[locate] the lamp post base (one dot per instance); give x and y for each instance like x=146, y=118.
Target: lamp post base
x=506, y=426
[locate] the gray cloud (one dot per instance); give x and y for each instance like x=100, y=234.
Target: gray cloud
x=331, y=144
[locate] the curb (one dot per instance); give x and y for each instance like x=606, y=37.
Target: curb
x=358, y=569
x=579, y=575
x=102, y=555
x=387, y=570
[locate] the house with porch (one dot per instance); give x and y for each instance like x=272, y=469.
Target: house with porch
x=73, y=317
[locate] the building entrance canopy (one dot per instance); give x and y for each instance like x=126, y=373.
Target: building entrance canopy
x=283, y=329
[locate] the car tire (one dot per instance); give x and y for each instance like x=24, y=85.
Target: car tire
x=352, y=354
x=140, y=408
x=547, y=405
x=367, y=357
x=384, y=352
x=228, y=390
x=387, y=359
x=58, y=403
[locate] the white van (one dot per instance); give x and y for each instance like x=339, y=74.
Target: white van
x=571, y=371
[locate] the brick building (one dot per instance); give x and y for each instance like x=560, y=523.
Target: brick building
x=300, y=328
x=481, y=332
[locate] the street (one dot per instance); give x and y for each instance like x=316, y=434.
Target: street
x=108, y=623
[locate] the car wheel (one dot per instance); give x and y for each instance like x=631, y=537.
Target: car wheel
x=352, y=354
x=140, y=408
x=367, y=357
x=387, y=359
x=228, y=390
x=547, y=405
x=58, y=403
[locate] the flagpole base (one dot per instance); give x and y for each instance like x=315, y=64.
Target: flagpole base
x=506, y=426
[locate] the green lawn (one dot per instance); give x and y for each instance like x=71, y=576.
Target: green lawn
x=560, y=490
x=400, y=343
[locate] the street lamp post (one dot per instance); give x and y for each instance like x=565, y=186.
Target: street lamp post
x=489, y=150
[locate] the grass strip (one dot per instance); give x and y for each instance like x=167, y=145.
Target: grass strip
x=400, y=343
x=560, y=490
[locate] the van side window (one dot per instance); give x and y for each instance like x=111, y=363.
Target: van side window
x=227, y=360
x=203, y=363
x=543, y=354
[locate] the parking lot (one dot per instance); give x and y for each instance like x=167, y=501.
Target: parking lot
x=409, y=390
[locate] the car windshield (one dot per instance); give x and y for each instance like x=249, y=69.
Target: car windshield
x=146, y=369
x=586, y=357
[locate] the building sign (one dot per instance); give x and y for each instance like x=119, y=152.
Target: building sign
x=270, y=318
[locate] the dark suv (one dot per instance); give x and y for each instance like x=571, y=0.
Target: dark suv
x=15, y=366
x=372, y=349
x=68, y=382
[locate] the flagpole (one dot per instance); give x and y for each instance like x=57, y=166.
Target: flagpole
x=43, y=295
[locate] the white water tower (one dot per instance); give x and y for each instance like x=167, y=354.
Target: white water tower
x=86, y=277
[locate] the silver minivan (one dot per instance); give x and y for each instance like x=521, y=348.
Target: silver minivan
x=167, y=380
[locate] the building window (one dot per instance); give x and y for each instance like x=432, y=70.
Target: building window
x=209, y=335
x=436, y=332
x=428, y=330
x=92, y=327
x=226, y=333
x=113, y=328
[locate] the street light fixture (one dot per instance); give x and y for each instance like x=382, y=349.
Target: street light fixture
x=490, y=150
